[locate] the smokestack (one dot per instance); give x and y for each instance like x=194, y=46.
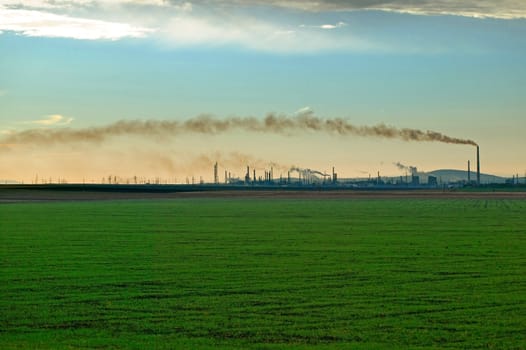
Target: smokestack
x=216, y=175
x=247, y=175
x=469, y=172
x=478, y=166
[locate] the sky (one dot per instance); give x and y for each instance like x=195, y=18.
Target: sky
x=80, y=66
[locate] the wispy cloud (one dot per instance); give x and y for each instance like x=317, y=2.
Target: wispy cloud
x=45, y=24
x=250, y=24
x=251, y=33
x=333, y=26
x=307, y=110
x=503, y=9
x=176, y=25
x=325, y=26
x=51, y=120
x=70, y=4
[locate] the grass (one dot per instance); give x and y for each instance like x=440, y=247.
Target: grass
x=263, y=274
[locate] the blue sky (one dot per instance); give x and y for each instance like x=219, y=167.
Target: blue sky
x=453, y=67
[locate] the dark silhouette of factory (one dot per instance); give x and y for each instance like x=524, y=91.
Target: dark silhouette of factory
x=301, y=178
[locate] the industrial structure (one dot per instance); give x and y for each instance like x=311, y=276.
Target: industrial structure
x=308, y=177
x=216, y=176
x=295, y=177
x=478, y=166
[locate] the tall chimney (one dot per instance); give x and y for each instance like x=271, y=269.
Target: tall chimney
x=216, y=175
x=469, y=172
x=247, y=175
x=478, y=166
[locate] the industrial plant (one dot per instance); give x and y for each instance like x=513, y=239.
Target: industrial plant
x=296, y=177
x=303, y=178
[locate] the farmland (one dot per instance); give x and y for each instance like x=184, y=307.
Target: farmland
x=265, y=274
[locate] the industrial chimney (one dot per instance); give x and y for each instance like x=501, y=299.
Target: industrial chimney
x=247, y=175
x=469, y=172
x=216, y=175
x=478, y=166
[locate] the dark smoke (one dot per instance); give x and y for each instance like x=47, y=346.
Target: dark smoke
x=411, y=169
x=272, y=123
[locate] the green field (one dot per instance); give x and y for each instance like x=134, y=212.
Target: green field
x=264, y=274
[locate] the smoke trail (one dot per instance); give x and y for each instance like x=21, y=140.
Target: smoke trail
x=308, y=171
x=272, y=123
x=412, y=169
x=235, y=161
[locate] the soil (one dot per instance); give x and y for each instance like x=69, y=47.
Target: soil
x=17, y=195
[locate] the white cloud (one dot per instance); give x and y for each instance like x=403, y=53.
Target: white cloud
x=326, y=26
x=502, y=9
x=68, y=4
x=253, y=34
x=238, y=23
x=54, y=119
x=178, y=25
x=333, y=26
x=184, y=7
x=45, y=24
x=497, y=13
x=304, y=110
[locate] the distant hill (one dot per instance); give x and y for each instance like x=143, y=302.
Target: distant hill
x=9, y=182
x=452, y=175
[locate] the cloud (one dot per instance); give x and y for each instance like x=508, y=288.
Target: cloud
x=325, y=26
x=503, y=9
x=251, y=33
x=70, y=4
x=45, y=24
x=307, y=110
x=474, y=10
x=333, y=26
x=179, y=24
x=51, y=120
x=277, y=26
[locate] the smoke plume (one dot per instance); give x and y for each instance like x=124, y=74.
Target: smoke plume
x=411, y=169
x=308, y=172
x=272, y=123
x=233, y=161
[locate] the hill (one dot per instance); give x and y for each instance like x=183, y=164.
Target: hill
x=452, y=175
